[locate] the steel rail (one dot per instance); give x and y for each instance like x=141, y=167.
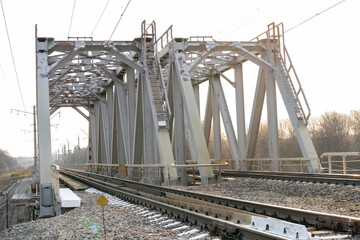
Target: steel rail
x=225, y=228
x=308, y=218
x=345, y=179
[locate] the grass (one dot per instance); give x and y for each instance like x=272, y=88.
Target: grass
x=20, y=174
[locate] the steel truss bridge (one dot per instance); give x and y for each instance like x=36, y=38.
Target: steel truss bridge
x=141, y=98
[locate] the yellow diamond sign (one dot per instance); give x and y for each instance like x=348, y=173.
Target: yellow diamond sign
x=102, y=201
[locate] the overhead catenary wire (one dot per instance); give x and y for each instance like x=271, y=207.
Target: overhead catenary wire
x=12, y=56
x=72, y=15
x=99, y=18
x=119, y=20
x=6, y=81
x=297, y=25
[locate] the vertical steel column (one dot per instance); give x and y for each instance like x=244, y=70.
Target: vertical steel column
x=240, y=110
x=109, y=108
x=137, y=151
x=225, y=114
x=208, y=115
x=131, y=105
x=43, y=116
x=114, y=134
x=150, y=143
x=192, y=114
x=256, y=115
x=90, y=142
x=216, y=124
x=179, y=133
x=94, y=120
x=118, y=147
x=273, y=135
x=197, y=96
x=123, y=122
x=105, y=133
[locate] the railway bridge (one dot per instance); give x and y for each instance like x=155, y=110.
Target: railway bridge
x=141, y=99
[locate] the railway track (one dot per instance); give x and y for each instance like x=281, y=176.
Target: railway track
x=226, y=217
x=346, y=179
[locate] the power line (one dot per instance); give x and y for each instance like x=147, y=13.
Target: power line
x=6, y=81
x=12, y=56
x=314, y=16
x=100, y=18
x=72, y=14
x=119, y=19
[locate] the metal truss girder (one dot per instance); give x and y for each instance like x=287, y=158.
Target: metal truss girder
x=81, y=113
x=162, y=139
x=53, y=82
x=128, y=60
x=273, y=133
x=240, y=110
x=256, y=114
x=192, y=114
x=202, y=46
x=56, y=95
x=113, y=77
x=225, y=114
x=106, y=133
x=208, y=116
x=123, y=126
x=179, y=127
x=253, y=58
x=216, y=124
x=131, y=105
x=202, y=56
x=123, y=46
x=64, y=60
x=95, y=95
x=53, y=110
x=137, y=151
x=306, y=145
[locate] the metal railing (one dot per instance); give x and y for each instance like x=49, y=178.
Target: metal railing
x=341, y=166
x=138, y=171
x=263, y=164
x=166, y=37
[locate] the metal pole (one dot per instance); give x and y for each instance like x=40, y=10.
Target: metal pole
x=104, y=221
x=7, y=209
x=35, y=158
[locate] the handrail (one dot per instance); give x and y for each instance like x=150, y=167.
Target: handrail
x=298, y=81
x=167, y=32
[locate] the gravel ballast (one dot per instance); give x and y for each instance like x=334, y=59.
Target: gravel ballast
x=327, y=198
x=122, y=223
x=86, y=223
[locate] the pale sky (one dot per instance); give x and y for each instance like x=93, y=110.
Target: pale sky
x=325, y=51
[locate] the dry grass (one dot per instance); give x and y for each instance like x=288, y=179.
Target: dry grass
x=19, y=174
x=14, y=176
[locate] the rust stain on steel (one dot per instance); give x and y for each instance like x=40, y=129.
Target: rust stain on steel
x=64, y=44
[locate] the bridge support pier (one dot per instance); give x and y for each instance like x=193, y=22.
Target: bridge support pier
x=43, y=118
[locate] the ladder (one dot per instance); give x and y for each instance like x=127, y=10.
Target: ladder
x=159, y=100
x=152, y=62
x=293, y=92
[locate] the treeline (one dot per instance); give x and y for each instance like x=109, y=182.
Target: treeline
x=331, y=132
x=76, y=156
x=7, y=163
